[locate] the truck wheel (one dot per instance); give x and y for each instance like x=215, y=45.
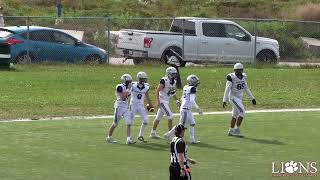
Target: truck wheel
x=137, y=61
x=266, y=56
x=182, y=63
x=171, y=56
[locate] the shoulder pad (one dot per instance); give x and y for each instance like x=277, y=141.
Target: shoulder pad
x=134, y=84
x=193, y=90
x=232, y=75
x=229, y=78
x=120, y=88
x=163, y=81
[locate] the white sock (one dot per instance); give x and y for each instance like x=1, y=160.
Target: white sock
x=192, y=133
x=171, y=132
x=128, y=138
x=141, y=133
x=153, y=131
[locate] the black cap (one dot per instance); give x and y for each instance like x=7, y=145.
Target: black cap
x=179, y=128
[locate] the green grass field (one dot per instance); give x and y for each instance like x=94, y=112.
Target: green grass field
x=76, y=149
x=33, y=91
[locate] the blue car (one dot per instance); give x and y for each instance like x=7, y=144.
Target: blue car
x=47, y=44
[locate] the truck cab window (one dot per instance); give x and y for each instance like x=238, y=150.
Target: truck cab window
x=235, y=32
x=189, y=27
x=213, y=30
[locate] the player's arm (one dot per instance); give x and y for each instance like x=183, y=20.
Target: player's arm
x=159, y=88
x=249, y=94
x=192, y=161
x=227, y=90
x=174, y=94
x=148, y=98
x=193, y=91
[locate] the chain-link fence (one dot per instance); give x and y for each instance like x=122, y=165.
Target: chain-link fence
x=108, y=39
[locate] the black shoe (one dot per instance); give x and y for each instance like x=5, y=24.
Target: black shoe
x=140, y=138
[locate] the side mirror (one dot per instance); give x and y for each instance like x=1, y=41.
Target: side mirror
x=77, y=43
x=246, y=38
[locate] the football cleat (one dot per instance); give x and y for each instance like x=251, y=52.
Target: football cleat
x=194, y=141
x=237, y=132
x=140, y=138
x=231, y=132
x=130, y=141
x=166, y=136
x=154, y=135
x=234, y=132
x=110, y=139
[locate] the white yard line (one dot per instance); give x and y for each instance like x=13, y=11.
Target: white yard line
x=176, y=114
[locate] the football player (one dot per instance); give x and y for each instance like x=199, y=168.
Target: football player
x=188, y=102
x=121, y=108
x=236, y=84
x=166, y=89
x=140, y=91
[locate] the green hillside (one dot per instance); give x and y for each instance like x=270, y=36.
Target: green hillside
x=158, y=8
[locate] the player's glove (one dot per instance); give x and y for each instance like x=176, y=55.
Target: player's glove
x=224, y=104
x=254, y=102
x=178, y=103
x=199, y=111
x=182, y=172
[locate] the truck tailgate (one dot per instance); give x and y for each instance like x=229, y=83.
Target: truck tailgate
x=131, y=40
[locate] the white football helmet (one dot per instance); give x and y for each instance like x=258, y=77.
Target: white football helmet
x=172, y=73
x=142, y=77
x=238, y=66
x=126, y=80
x=193, y=80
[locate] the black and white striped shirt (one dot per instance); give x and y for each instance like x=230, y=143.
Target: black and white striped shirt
x=178, y=145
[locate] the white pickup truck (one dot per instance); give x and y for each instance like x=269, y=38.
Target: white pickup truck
x=205, y=40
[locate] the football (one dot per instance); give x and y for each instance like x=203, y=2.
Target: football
x=150, y=108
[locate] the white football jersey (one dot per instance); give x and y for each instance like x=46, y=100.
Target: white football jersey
x=188, y=103
x=168, y=90
x=237, y=86
x=138, y=93
x=123, y=103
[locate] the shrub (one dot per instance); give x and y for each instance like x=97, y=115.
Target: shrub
x=288, y=35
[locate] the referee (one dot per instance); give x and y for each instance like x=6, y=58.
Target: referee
x=179, y=169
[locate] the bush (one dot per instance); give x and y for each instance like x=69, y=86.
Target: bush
x=288, y=35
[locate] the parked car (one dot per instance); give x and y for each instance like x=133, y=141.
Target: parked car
x=47, y=44
x=205, y=40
